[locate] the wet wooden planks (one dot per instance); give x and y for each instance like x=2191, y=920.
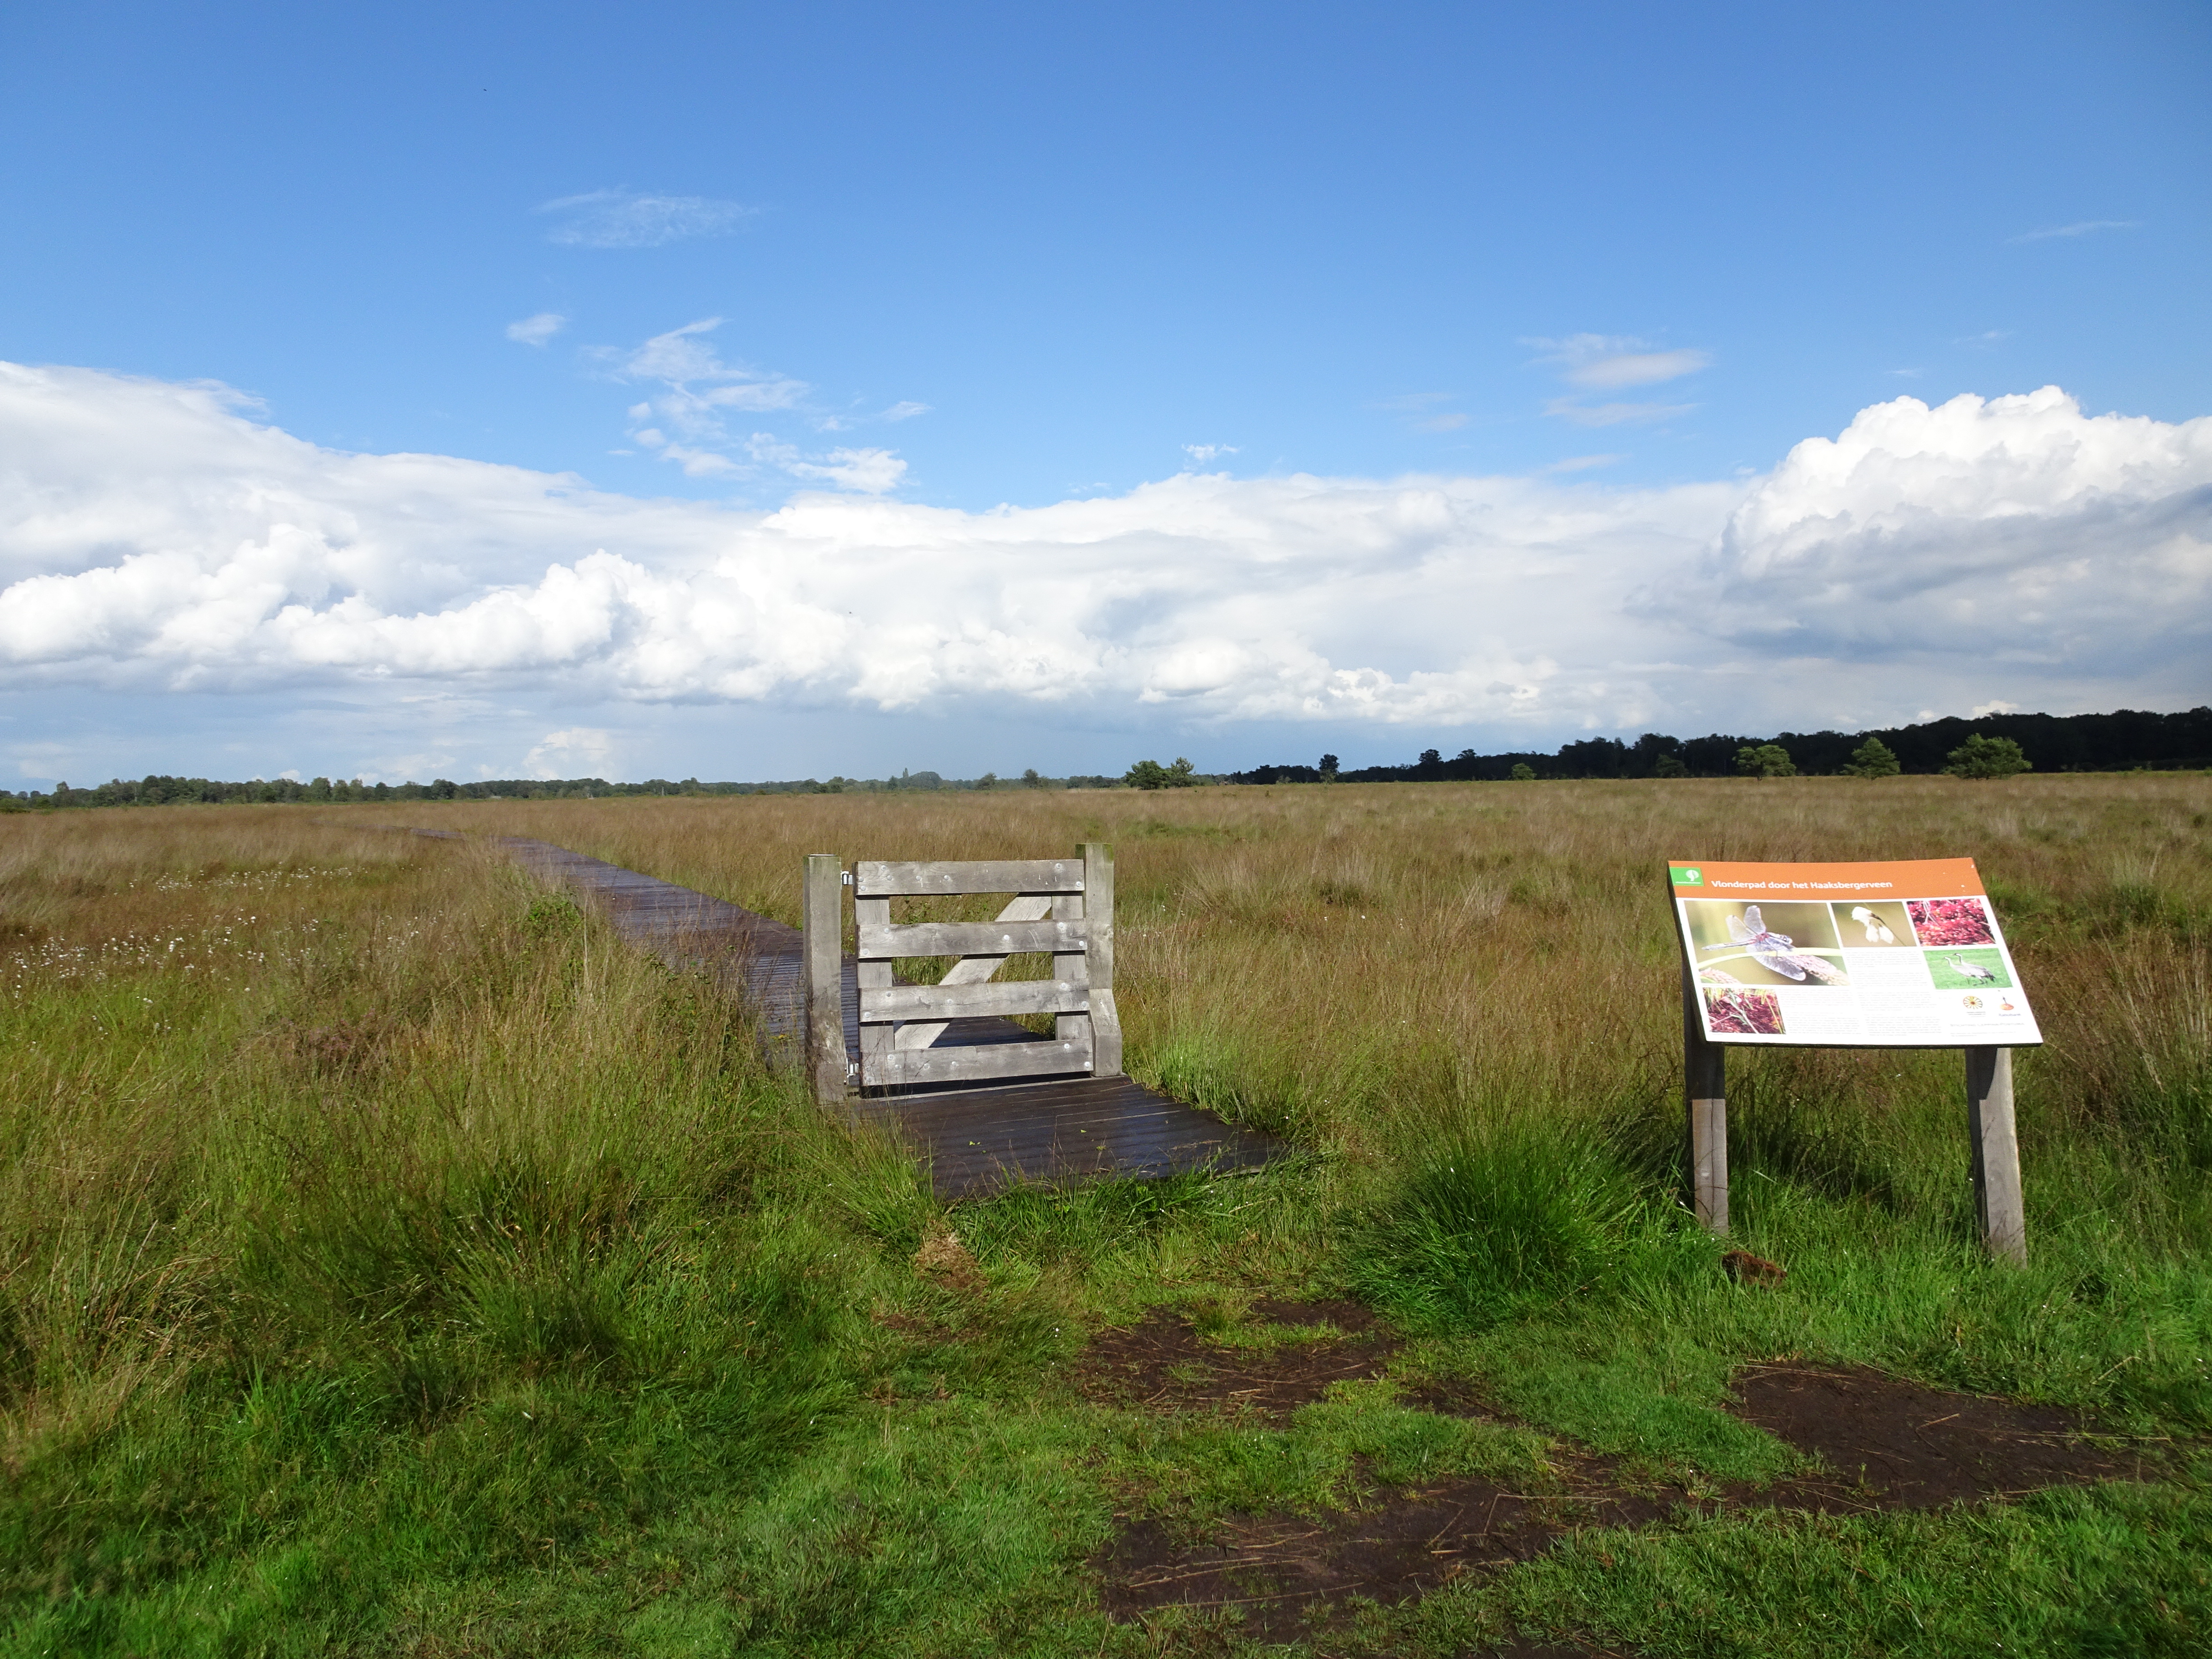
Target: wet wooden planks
x=975, y=1141
x=1063, y=1130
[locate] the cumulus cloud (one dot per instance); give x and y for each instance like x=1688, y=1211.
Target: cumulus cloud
x=1201, y=454
x=157, y=537
x=625, y=218
x=2016, y=528
x=537, y=331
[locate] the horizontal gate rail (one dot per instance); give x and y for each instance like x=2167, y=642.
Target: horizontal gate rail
x=878, y=879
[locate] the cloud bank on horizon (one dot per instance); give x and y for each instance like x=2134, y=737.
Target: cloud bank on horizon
x=155, y=538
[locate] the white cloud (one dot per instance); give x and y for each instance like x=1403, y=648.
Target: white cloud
x=2084, y=228
x=905, y=411
x=537, y=331
x=1624, y=368
x=154, y=539
x=697, y=388
x=577, y=751
x=2017, y=529
x=870, y=472
x=1996, y=706
x=1610, y=363
x=624, y=218
x=1614, y=414
x=1201, y=454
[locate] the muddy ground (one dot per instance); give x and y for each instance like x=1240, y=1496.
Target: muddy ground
x=1882, y=1442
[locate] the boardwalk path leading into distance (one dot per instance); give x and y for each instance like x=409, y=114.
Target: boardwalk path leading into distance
x=1055, y=1131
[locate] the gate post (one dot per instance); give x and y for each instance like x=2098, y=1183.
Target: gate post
x=1705, y=1098
x=1989, y=1126
x=1098, y=916
x=823, y=916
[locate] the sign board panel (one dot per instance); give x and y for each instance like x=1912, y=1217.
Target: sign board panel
x=1830, y=955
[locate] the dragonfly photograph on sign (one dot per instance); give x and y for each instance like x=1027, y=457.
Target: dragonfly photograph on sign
x=1765, y=944
x=1771, y=950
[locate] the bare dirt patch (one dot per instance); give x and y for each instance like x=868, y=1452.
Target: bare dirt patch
x=1899, y=1445
x=1163, y=1363
x=1288, y=1574
x=1886, y=1443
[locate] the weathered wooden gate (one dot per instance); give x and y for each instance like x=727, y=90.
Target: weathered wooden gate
x=1063, y=908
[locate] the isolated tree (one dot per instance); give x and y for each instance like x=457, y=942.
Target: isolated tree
x=1328, y=769
x=1431, y=763
x=989, y=781
x=1873, y=759
x=1523, y=773
x=1150, y=774
x=1768, y=760
x=1987, y=757
x=1030, y=780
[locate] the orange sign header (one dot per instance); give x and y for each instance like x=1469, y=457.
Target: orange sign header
x=1913, y=879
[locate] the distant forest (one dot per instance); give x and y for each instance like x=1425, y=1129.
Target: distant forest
x=159, y=790
x=2120, y=742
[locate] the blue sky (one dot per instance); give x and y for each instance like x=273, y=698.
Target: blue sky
x=730, y=258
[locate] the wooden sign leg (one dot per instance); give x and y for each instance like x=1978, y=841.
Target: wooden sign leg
x=823, y=915
x=1996, y=1154
x=1704, y=1093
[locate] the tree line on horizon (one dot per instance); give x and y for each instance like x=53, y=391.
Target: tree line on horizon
x=2125, y=740
x=163, y=790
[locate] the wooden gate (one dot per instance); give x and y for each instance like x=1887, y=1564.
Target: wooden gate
x=1060, y=907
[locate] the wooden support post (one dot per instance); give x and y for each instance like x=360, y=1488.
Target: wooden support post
x=1098, y=916
x=1705, y=1094
x=823, y=916
x=874, y=975
x=1996, y=1154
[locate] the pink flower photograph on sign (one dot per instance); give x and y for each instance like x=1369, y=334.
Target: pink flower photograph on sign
x=1951, y=921
x=1742, y=1012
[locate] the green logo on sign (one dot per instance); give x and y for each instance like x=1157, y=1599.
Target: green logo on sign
x=1686, y=875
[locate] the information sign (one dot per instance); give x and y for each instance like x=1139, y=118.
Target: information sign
x=1891, y=956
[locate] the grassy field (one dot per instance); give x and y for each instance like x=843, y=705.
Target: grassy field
x=390, y=1261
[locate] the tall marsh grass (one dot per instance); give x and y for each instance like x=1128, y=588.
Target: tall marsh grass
x=375, y=1228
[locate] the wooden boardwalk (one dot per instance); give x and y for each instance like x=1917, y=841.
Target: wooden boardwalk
x=975, y=1141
